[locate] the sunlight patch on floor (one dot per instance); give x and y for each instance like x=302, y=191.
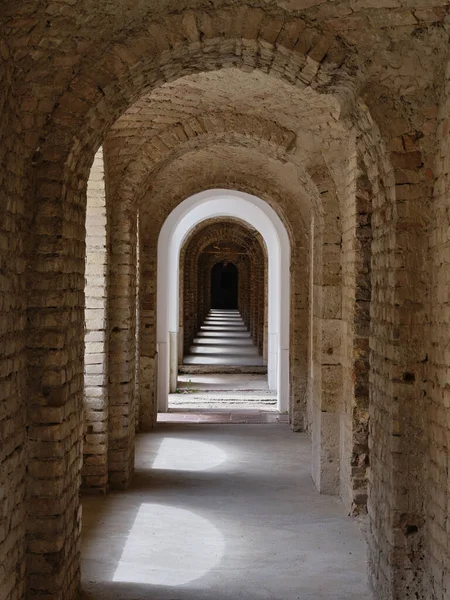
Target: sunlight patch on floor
x=188, y=455
x=169, y=546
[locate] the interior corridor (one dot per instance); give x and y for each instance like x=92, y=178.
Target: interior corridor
x=221, y=512
x=285, y=160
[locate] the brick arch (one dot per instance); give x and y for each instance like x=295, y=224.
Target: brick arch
x=195, y=305
x=173, y=45
x=54, y=382
x=244, y=166
x=164, y=195
x=75, y=129
x=207, y=231
x=100, y=91
x=242, y=129
x=245, y=143
x=269, y=41
x=181, y=219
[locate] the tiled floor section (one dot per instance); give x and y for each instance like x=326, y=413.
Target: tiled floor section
x=221, y=512
x=223, y=339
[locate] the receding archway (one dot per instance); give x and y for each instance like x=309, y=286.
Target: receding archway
x=176, y=228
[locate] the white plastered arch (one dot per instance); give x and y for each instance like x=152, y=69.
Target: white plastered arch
x=181, y=221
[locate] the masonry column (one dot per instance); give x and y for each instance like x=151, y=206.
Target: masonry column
x=399, y=361
x=13, y=369
x=55, y=348
x=327, y=342
x=95, y=446
x=148, y=366
x=122, y=343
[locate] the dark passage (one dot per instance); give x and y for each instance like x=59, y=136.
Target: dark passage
x=224, y=286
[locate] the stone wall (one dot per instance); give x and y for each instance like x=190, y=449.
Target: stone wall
x=96, y=405
x=436, y=550
x=326, y=399
x=13, y=460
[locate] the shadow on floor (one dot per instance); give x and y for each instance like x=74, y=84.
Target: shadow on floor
x=130, y=591
x=221, y=512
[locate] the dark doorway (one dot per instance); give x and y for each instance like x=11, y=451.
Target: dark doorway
x=224, y=286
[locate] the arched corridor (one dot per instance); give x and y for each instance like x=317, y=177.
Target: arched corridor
x=304, y=142
x=268, y=243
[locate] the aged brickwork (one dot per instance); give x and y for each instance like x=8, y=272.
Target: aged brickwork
x=327, y=375
x=436, y=551
x=12, y=344
x=121, y=344
x=164, y=188
x=96, y=405
x=336, y=114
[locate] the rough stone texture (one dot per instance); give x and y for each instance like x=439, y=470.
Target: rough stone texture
x=327, y=396
x=12, y=344
x=122, y=291
x=256, y=96
x=96, y=400
x=436, y=549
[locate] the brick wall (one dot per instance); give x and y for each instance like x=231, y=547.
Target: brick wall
x=95, y=446
x=436, y=550
x=122, y=358
x=398, y=355
x=55, y=352
x=13, y=461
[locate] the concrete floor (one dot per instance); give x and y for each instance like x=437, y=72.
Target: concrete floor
x=243, y=416
x=221, y=512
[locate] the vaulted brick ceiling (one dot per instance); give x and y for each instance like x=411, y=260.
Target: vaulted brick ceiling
x=73, y=54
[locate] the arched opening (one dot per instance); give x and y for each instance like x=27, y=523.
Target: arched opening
x=224, y=286
x=221, y=350
x=176, y=228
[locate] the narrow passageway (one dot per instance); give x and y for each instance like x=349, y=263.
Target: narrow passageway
x=221, y=512
x=223, y=339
